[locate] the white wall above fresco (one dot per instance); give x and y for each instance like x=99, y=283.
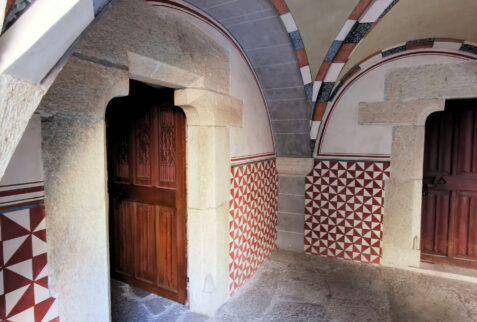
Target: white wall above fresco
x=340, y=136
x=253, y=140
x=26, y=165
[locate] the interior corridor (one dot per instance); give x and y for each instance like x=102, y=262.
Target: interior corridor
x=297, y=287
x=252, y=160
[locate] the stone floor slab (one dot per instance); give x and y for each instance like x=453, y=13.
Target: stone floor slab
x=292, y=286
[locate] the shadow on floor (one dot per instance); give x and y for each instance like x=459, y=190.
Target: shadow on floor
x=297, y=287
x=131, y=304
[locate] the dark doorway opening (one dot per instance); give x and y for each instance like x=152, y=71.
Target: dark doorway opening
x=449, y=202
x=147, y=191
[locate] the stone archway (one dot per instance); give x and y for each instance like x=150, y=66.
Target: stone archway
x=73, y=147
x=76, y=178
x=413, y=94
x=76, y=184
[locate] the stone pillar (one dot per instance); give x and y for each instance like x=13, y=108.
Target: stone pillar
x=402, y=201
x=74, y=156
x=209, y=115
x=76, y=193
x=411, y=94
x=291, y=202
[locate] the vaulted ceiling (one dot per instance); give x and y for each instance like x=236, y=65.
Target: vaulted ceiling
x=301, y=49
x=328, y=37
x=288, y=42
x=257, y=26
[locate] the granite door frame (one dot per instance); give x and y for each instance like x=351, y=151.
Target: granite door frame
x=412, y=95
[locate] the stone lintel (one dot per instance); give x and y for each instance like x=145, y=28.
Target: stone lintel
x=398, y=113
x=207, y=108
x=443, y=81
x=152, y=71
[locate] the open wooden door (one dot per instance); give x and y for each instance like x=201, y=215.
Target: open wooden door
x=146, y=163
x=449, y=203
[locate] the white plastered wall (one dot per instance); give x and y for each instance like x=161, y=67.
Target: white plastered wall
x=343, y=137
x=26, y=164
x=254, y=136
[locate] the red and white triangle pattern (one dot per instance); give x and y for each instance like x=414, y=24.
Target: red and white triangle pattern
x=344, y=209
x=253, y=219
x=24, y=294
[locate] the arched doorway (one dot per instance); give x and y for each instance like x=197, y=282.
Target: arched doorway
x=147, y=191
x=449, y=202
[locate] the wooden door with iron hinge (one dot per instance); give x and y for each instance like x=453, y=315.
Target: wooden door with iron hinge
x=147, y=214
x=449, y=202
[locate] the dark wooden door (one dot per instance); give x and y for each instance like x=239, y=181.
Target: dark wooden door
x=146, y=165
x=449, y=204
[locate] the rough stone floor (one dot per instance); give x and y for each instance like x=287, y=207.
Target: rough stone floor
x=299, y=287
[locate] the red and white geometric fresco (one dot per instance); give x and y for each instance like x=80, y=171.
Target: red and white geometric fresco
x=253, y=219
x=344, y=209
x=24, y=294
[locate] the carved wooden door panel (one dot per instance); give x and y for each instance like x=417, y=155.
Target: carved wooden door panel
x=449, y=204
x=146, y=163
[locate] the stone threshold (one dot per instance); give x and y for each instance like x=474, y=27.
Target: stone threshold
x=443, y=271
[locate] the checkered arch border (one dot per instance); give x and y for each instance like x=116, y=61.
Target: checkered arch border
x=360, y=22
x=252, y=220
x=445, y=44
x=344, y=202
x=425, y=46
x=295, y=37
